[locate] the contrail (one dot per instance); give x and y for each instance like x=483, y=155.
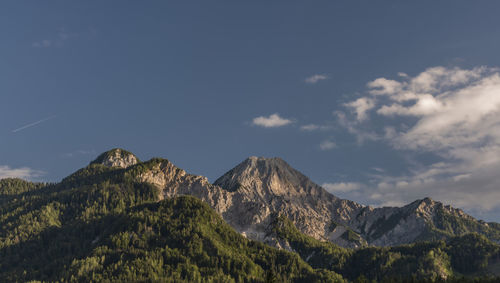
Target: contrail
x=33, y=124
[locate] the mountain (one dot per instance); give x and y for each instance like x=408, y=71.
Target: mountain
x=116, y=158
x=250, y=202
x=120, y=219
x=268, y=186
x=110, y=229
x=470, y=254
x=251, y=195
x=420, y=220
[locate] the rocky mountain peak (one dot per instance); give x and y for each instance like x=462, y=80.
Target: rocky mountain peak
x=427, y=201
x=268, y=176
x=261, y=166
x=424, y=204
x=264, y=161
x=266, y=187
x=253, y=193
x=117, y=157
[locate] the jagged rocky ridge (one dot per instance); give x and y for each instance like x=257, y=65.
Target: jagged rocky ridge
x=250, y=196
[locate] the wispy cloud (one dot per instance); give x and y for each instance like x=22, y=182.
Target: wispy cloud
x=33, y=124
x=45, y=43
x=309, y=127
x=476, y=192
x=451, y=113
x=58, y=40
x=327, y=145
x=23, y=172
x=315, y=127
x=361, y=106
x=273, y=121
x=378, y=169
x=353, y=126
x=315, y=78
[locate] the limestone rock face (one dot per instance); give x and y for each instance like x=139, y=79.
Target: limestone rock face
x=250, y=197
x=173, y=181
x=266, y=187
x=117, y=158
x=424, y=219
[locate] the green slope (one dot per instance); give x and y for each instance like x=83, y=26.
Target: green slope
x=99, y=225
x=471, y=255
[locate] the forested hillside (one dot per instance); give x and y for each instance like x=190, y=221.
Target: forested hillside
x=117, y=230
x=103, y=224
x=469, y=255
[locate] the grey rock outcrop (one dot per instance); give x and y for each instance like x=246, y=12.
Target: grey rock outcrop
x=251, y=195
x=267, y=186
x=117, y=158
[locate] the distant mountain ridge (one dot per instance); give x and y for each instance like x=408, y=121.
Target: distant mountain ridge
x=122, y=220
x=252, y=194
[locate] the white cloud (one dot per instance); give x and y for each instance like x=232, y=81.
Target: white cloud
x=315, y=78
x=23, y=172
x=315, y=127
x=425, y=104
x=452, y=113
x=453, y=122
x=361, y=106
x=383, y=86
x=437, y=78
x=342, y=187
x=327, y=145
x=272, y=121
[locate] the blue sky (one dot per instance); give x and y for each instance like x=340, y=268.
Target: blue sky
x=382, y=102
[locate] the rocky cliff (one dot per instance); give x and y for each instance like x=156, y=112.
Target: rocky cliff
x=267, y=187
x=251, y=195
x=117, y=158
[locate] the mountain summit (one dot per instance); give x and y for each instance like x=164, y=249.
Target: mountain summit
x=116, y=157
x=120, y=219
x=268, y=187
x=252, y=195
x=269, y=177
